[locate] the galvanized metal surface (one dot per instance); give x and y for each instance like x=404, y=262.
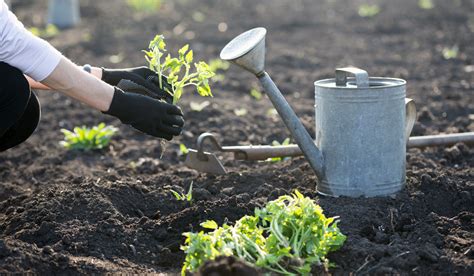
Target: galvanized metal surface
x=248, y=51
x=361, y=132
x=294, y=125
x=210, y=164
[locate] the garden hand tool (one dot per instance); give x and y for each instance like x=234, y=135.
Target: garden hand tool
x=208, y=162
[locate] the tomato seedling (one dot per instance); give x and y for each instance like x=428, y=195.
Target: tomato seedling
x=288, y=236
x=85, y=138
x=177, y=71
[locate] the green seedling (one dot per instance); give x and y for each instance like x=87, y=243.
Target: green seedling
x=288, y=236
x=450, y=53
x=184, y=197
x=178, y=71
x=366, y=10
x=256, y=94
x=199, y=17
x=183, y=149
x=49, y=31
x=216, y=65
x=275, y=143
x=426, y=4
x=84, y=138
x=144, y=5
x=198, y=107
x=240, y=112
x=272, y=113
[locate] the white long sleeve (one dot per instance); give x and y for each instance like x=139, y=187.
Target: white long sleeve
x=21, y=49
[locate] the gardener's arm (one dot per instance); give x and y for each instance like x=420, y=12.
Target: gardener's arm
x=77, y=83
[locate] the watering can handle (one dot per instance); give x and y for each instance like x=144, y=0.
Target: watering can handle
x=410, y=118
x=361, y=76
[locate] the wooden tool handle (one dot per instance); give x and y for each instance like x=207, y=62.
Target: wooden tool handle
x=263, y=152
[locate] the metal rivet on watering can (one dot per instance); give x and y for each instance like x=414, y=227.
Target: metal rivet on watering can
x=248, y=51
x=64, y=13
x=362, y=128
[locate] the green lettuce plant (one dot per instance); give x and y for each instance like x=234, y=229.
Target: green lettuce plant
x=288, y=236
x=179, y=71
x=85, y=138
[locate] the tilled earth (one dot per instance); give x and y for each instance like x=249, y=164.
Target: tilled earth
x=112, y=211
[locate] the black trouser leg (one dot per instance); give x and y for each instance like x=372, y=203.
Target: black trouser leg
x=19, y=108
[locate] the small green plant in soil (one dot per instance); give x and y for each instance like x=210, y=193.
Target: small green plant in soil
x=198, y=107
x=184, y=197
x=288, y=236
x=256, y=94
x=178, y=71
x=426, y=4
x=183, y=150
x=240, y=112
x=49, y=31
x=366, y=10
x=275, y=143
x=216, y=65
x=144, y=5
x=450, y=53
x=85, y=138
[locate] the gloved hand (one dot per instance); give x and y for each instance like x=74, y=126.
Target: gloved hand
x=142, y=76
x=146, y=114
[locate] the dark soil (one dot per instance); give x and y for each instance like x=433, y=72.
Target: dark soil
x=112, y=211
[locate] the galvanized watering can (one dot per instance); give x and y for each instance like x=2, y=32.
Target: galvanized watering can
x=362, y=124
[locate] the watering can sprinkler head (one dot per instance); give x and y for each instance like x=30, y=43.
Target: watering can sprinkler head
x=247, y=50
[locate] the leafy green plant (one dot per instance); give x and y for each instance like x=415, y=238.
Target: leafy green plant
x=184, y=197
x=426, y=4
x=85, y=138
x=216, y=65
x=366, y=10
x=256, y=94
x=288, y=236
x=198, y=107
x=49, y=31
x=144, y=5
x=450, y=53
x=183, y=149
x=275, y=143
x=240, y=112
x=272, y=113
x=178, y=71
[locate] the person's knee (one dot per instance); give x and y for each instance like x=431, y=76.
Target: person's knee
x=14, y=88
x=14, y=95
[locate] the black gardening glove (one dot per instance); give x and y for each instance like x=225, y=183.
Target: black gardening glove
x=152, y=116
x=142, y=76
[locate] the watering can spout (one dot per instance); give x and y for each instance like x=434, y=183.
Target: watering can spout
x=248, y=51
